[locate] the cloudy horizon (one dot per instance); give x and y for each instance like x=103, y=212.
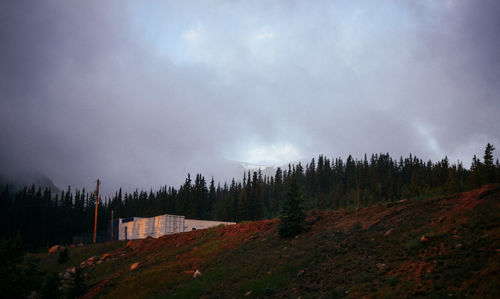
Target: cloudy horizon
x=140, y=94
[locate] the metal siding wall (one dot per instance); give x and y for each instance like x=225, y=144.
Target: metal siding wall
x=155, y=227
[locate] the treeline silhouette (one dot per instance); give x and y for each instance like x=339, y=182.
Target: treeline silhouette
x=41, y=218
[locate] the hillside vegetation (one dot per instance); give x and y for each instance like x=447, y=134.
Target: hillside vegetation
x=438, y=247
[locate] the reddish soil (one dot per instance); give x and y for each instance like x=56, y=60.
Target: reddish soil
x=445, y=215
x=96, y=289
x=413, y=271
x=456, y=207
x=451, y=211
x=448, y=212
x=230, y=236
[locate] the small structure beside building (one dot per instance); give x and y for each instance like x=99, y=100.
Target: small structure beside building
x=142, y=227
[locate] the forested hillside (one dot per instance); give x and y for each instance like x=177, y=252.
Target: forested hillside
x=441, y=247
x=41, y=218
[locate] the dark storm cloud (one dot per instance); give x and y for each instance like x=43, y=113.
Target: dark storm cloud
x=462, y=41
x=140, y=94
x=80, y=100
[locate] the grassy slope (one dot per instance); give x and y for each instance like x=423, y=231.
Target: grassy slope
x=343, y=254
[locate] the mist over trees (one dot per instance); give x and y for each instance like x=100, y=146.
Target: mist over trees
x=41, y=218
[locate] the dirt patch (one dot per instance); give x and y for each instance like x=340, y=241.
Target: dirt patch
x=337, y=245
x=96, y=289
x=414, y=270
x=367, y=217
x=454, y=209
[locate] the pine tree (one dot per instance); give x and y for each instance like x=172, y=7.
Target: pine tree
x=488, y=155
x=489, y=166
x=292, y=212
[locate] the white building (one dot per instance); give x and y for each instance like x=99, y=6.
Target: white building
x=155, y=227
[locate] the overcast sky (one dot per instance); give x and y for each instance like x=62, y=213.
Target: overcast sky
x=139, y=93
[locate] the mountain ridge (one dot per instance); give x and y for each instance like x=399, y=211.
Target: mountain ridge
x=18, y=181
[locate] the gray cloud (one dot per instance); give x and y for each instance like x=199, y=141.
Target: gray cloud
x=140, y=94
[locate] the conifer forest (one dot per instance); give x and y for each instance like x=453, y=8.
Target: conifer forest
x=41, y=218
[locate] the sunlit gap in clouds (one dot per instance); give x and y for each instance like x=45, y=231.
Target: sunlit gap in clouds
x=266, y=155
x=432, y=144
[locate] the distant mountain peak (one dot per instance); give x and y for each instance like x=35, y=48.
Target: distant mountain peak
x=18, y=181
x=254, y=166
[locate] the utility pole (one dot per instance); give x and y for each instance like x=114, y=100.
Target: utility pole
x=96, y=204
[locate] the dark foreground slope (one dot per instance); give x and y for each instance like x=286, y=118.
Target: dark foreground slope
x=441, y=247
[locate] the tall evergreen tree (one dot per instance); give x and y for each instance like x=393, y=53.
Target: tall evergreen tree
x=489, y=166
x=292, y=213
x=488, y=155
